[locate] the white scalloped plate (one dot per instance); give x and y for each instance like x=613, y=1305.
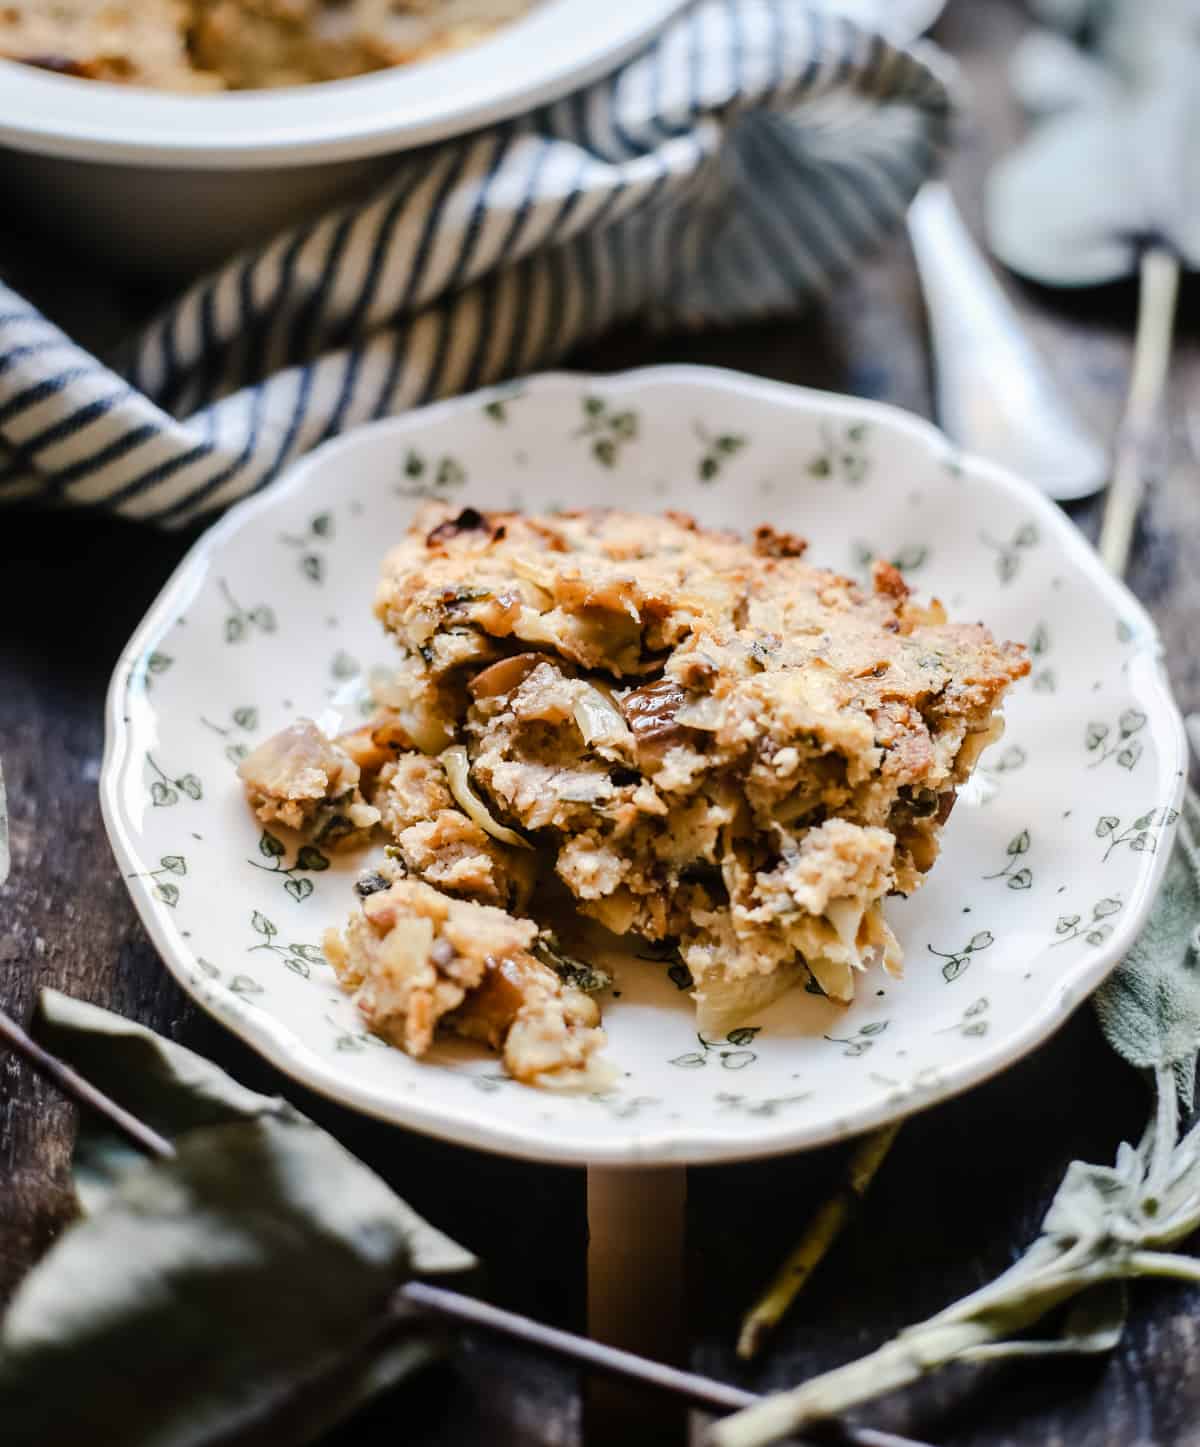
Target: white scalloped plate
x=1050, y=859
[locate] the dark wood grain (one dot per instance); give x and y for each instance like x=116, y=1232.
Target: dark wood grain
x=967, y=1183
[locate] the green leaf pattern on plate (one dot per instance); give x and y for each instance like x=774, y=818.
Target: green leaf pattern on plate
x=1006, y=761
x=861, y=1041
x=245, y=718
x=718, y=449
x=241, y=623
x=766, y=1108
x=735, y=1058
x=607, y=430
x=1010, y=553
x=298, y=958
x=165, y=890
x=1095, y=929
x=309, y=860
x=1117, y=740
x=958, y=961
x=320, y=530
x=908, y=559
x=974, y=1021
x=1016, y=874
x=496, y=409
x=1139, y=834
x=430, y=477
x=844, y=455
x=166, y=790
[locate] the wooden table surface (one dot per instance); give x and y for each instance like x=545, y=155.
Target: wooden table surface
x=968, y=1181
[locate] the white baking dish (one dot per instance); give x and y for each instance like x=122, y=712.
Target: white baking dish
x=170, y=184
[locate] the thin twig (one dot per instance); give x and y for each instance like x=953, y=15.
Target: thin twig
x=688, y=1387
x=1139, y=437
x=702, y=1392
x=823, y=1229
x=82, y=1091
x=699, y=1391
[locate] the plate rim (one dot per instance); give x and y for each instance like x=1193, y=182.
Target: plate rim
x=276, y=1042
x=368, y=115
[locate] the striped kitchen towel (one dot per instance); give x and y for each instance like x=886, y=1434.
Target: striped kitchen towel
x=733, y=170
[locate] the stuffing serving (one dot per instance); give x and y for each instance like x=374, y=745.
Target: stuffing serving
x=708, y=742
x=213, y=45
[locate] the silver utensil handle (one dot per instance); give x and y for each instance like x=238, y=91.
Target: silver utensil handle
x=995, y=393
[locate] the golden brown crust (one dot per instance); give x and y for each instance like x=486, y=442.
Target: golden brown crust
x=677, y=717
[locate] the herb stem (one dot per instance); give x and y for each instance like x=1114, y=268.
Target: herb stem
x=1138, y=441
x=1166, y=1129
x=897, y=1364
x=82, y=1091
x=1164, y=1263
x=1009, y=1306
x=823, y=1229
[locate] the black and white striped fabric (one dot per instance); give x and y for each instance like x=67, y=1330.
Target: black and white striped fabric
x=734, y=170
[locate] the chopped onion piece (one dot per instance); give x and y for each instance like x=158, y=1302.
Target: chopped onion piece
x=974, y=744
x=723, y=1003
x=396, y=694
x=541, y=578
x=458, y=776
x=835, y=977
x=599, y=719
x=505, y=675
x=428, y=734
x=702, y=713
x=845, y=915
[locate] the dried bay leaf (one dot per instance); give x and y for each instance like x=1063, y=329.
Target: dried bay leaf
x=203, y=1294
x=238, y=1293
x=173, y=1090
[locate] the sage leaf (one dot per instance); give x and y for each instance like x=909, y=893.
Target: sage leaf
x=1087, y=1200
x=242, y=1290
x=1149, y=1008
x=1053, y=211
